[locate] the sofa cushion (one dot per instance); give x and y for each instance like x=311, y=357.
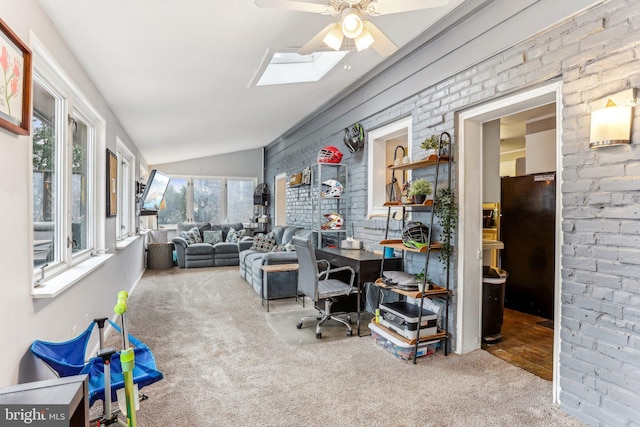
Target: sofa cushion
x=278, y=231
x=225, y=228
x=186, y=226
x=212, y=236
x=263, y=244
x=226, y=248
x=200, y=249
x=289, y=232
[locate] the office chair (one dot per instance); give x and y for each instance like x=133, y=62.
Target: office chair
x=318, y=286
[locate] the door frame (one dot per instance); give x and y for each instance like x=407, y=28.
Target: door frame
x=280, y=199
x=469, y=271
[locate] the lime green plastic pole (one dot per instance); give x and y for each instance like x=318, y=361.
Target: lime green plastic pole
x=127, y=360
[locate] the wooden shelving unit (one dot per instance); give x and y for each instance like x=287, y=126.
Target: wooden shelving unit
x=433, y=290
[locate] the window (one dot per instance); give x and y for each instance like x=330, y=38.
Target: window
x=126, y=203
x=382, y=151
x=63, y=172
x=208, y=199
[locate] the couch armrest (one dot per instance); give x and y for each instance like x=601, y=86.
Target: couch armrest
x=181, y=246
x=279, y=257
x=245, y=244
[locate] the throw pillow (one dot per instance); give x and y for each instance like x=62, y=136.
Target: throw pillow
x=213, y=237
x=278, y=248
x=234, y=236
x=196, y=235
x=192, y=236
x=290, y=247
x=263, y=244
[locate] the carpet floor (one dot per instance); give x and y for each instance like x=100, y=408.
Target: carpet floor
x=225, y=364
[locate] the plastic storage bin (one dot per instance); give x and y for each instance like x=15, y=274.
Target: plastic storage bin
x=399, y=348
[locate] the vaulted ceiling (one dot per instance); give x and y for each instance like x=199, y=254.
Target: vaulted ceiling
x=177, y=73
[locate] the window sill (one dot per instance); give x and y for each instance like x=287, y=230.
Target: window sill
x=123, y=243
x=58, y=284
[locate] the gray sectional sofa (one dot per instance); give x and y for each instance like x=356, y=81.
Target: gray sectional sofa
x=192, y=255
x=280, y=285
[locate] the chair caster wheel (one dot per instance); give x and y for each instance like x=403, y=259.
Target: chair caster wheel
x=299, y=325
x=318, y=335
x=349, y=333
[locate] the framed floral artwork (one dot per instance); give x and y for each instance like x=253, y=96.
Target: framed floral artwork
x=15, y=84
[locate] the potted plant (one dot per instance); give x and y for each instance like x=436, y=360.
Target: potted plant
x=431, y=144
x=446, y=209
x=419, y=190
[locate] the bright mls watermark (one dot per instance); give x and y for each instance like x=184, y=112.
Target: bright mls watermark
x=34, y=415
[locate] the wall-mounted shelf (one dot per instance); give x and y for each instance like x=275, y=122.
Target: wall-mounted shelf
x=432, y=160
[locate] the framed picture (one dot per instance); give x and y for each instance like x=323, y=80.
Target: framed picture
x=112, y=184
x=15, y=84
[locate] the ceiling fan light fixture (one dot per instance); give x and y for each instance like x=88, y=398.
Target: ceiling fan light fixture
x=364, y=40
x=352, y=25
x=334, y=37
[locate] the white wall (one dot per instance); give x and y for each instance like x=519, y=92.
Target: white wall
x=245, y=164
x=541, y=151
x=23, y=318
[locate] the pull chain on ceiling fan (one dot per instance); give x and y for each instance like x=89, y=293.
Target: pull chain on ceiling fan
x=363, y=33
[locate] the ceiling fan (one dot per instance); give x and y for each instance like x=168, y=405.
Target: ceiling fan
x=351, y=25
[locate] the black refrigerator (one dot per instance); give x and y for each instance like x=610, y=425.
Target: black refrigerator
x=527, y=229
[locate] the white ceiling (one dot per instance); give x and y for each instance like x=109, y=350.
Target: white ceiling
x=176, y=72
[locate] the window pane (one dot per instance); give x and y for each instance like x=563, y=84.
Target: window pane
x=239, y=200
x=175, y=200
x=208, y=201
x=45, y=203
x=79, y=186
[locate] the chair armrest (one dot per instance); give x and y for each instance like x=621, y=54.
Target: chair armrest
x=325, y=274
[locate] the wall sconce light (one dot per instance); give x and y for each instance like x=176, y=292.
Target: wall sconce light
x=611, y=125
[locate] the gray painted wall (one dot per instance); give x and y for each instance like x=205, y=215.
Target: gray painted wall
x=594, y=53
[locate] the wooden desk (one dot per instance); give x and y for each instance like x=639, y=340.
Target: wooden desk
x=276, y=268
x=366, y=265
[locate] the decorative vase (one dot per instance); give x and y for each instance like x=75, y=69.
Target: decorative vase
x=429, y=153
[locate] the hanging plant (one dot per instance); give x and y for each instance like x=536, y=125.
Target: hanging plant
x=446, y=209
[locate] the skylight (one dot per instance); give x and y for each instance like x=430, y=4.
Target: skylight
x=289, y=67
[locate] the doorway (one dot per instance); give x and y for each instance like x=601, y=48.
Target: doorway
x=519, y=171
x=470, y=229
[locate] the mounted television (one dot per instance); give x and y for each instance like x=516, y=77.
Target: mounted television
x=153, y=193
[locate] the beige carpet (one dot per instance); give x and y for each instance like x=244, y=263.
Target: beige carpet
x=225, y=365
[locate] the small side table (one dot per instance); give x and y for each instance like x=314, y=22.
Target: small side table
x=277, y=268
x=160, y=256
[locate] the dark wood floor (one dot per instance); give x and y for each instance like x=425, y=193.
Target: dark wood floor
x=525, y=343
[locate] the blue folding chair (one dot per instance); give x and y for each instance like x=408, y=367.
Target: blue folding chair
x=68, y=358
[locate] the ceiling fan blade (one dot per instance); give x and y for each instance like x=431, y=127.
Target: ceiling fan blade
x=386, y=7
x=315, y=44
x=298, y=6
x=382, y=44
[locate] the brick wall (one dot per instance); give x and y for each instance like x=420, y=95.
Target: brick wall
x=594, y=54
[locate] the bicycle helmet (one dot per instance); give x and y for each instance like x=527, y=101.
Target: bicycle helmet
x=329, y=154
x=354, y=137
x=334, y=222
x=415, y=235
x=331, y=188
